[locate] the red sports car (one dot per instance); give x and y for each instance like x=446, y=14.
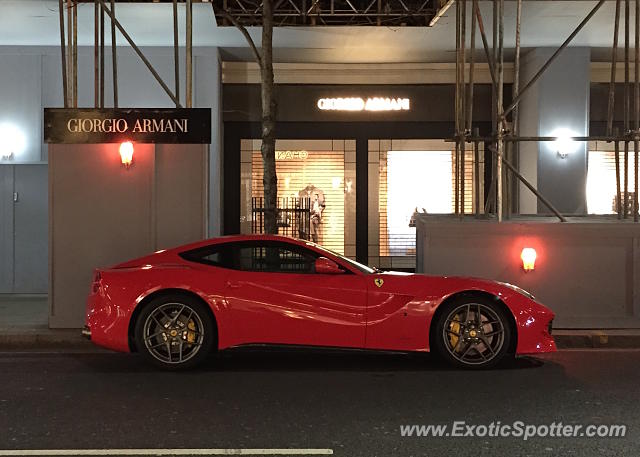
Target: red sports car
x=178, y=305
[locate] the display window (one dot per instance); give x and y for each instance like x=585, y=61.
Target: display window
x=414, y=176
x=601, y=181
x=316, y=191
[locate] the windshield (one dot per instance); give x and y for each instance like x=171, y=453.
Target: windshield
x=358, y=266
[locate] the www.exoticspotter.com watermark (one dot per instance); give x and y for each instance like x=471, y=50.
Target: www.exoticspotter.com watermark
x=517, y=429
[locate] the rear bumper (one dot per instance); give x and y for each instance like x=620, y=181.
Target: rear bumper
x=106, y=324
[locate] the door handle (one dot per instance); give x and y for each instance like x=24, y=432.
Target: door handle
x=233, y=285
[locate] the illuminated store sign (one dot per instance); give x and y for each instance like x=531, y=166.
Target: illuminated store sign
x=291, y=155
x=361, y=104
x=180, y=125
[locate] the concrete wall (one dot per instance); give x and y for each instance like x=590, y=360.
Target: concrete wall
x=557, y=104
x=102, y=213
x=588, y=273
x=529, y=126
x=31, y=79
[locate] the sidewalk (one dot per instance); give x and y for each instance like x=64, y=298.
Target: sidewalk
x=43, y=339
x=24, y=325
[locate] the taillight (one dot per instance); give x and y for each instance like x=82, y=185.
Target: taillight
x=95, y=285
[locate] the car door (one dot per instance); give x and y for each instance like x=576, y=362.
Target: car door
x=276, y=297
x=397, y=312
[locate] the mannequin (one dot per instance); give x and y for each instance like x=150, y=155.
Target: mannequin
x=317, y=206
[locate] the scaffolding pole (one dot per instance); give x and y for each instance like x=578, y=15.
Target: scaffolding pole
x=189, y=50
x=70, y=51
x=114, y=54
x=140, y=54
x=500, y=116
x=101, y=57
x=457, y=111
x=63, y=55
x=472, y=52
x=625, y=204
x=96, y=54
x=616, y=153
x=514, y=147
x=75, y=53
x=176, y=54
x=463, y=98
x=614, y=59
x=541, y=197
x=636, y=116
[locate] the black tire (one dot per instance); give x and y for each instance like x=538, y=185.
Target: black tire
x=463, y=342
x=175, y=332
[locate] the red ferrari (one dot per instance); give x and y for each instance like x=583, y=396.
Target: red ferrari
x=178, y=305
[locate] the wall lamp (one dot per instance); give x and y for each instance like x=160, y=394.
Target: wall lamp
x=126, y=153
x=528, y=256
x=563, y=144
x=12, y=141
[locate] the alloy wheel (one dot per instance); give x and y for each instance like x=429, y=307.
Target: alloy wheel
x=173, y=333
x=474, y=334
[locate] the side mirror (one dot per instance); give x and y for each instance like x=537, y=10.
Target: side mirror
x=327, y=267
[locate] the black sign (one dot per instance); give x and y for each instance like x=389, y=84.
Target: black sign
x=153, y=125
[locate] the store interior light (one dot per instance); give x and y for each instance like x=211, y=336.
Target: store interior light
x=126, y=153
x=528, y=256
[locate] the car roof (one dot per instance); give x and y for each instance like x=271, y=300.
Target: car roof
x=237, y=238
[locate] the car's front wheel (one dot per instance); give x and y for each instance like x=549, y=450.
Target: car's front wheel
x=175, y=331
x=472, y=332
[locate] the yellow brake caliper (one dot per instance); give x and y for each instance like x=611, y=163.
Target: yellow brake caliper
x=191, y=336
x=454, y=327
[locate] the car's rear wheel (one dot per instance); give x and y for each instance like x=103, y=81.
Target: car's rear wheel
x=472, y=332
x=175, y=332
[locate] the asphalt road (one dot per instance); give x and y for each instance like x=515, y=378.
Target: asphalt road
x=351, y=403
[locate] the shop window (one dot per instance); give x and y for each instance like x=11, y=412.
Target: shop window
x=601, y=182
x=316, y=191
x=416, y=181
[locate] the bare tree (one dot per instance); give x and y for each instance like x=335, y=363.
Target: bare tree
x=264, y=58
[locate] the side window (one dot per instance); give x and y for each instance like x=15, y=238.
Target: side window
x=265, y=256
x=275, y=257
x=219, y=255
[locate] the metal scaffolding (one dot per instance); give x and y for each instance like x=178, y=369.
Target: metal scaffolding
x=505, y=139
x=332, y=12
x=69, y=51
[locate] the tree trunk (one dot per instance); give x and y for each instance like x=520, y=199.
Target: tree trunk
x=269, y=180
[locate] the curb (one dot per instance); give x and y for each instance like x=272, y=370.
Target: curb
x=597, y=339
x=44, y=339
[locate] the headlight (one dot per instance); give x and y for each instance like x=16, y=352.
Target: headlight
x=520, y=290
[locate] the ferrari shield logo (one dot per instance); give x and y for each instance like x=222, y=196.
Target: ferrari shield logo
x=379, y=282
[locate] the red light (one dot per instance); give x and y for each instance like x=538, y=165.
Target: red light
x=126, y=153
x=528, y=257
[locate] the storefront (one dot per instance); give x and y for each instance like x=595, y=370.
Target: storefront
x=354, y=164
